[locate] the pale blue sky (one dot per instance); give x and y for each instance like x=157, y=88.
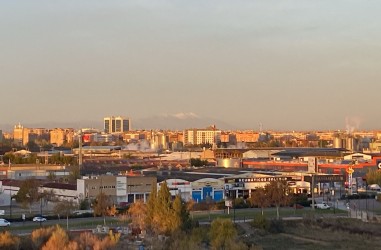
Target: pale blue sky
x=286, y=64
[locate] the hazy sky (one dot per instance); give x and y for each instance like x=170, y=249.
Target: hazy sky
x=286, y=64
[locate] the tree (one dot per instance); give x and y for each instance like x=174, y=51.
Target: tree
x=373, y=177
x=151, y=207
x=49, y=195
x=65, y=207
x=74, y=173
x=101, y=204
x=277, y=192
x=138, y=214
x=112, y=211
x=222, y=233
x=181, y=215
x=260, y=199
x=84, y=204
x=163, y=215
x=28, y=193
x=163, y=212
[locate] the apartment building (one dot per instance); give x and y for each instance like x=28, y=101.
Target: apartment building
x=210, y=135
x=18, y=133
x=60, y=136
x=246, y=136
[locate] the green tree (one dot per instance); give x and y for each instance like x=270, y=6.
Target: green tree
x=277, y=192
x=164, y=216
x=28, y=193
x=260, y=199
x=162, y=220
x=181, y=215
x=151, y=207
x=84, y=204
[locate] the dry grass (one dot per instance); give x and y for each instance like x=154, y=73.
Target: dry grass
x=321, y=234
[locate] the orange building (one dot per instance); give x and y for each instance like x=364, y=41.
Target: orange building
x=247, y=136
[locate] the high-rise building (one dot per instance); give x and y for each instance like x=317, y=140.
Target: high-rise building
x=116, y=124
x=18, y=133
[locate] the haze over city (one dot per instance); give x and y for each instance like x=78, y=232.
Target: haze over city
x=291, y=65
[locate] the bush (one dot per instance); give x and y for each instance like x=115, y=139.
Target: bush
x=8, y=241
x=220, y=204
x=241, y=203
x=301, y=199
x=276, y=226
x=260, y=222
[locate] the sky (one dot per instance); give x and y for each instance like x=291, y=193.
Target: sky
x=288, y=65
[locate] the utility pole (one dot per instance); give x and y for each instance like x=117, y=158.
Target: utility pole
x=313, y=191
x=40, y=209
x=10, y=200
x=80, y=160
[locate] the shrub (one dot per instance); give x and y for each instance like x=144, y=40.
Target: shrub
x=276, y=226
x=8, y=241
x=40, y=236
x=241, y=203
x=260, y=222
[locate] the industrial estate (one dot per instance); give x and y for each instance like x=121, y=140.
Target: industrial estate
x=114, y=174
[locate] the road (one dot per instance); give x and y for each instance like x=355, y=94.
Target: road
x=27, y=227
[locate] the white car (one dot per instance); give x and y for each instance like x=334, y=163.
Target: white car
x=4, y=223
x=323, y=206
x=39, y=219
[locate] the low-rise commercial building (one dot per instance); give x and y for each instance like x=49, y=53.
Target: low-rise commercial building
x=120, y=189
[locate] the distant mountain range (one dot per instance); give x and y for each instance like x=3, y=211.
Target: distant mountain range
x=178, y=121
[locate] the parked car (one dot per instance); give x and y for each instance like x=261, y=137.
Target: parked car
x=4, y=223
x=322, y=205
x=39, y=219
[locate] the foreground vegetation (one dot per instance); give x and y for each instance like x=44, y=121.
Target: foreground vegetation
x=312, y=233
x=56, y=237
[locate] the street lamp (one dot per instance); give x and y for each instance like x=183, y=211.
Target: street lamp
x=40, y=209
x=40, y=195
x=10, y=200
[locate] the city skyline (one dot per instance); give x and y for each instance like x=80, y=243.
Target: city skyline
x=290, y=65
